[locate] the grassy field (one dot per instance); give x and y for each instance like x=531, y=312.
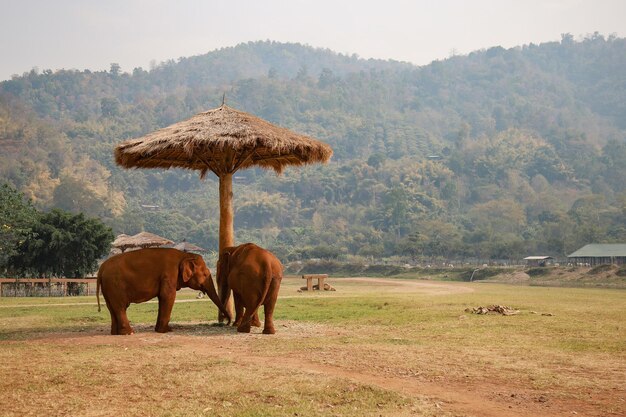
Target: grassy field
x=374, y=347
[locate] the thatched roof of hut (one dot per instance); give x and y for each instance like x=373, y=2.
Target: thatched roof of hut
x=140, y=240
x=186, y=247
x=221, y=140
x=119, y=239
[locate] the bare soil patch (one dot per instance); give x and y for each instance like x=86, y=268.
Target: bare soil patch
x=425, y=287
x=601, y=276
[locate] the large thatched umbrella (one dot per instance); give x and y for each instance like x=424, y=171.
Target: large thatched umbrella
x=222, y=140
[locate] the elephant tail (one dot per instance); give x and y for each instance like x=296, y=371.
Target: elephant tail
x=267, y=283
x=98, y=290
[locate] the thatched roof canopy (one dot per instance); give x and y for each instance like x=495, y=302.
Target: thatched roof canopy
x=221, y=140
x=140, y=240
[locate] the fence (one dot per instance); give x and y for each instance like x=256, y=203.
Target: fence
x=53, y=287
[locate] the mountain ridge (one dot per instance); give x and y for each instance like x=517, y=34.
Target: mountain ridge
x=538, y=129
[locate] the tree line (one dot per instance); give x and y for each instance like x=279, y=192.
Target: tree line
x=48, y=244
x=494, y=155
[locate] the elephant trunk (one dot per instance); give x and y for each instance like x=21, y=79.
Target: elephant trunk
x=210, y=291
x=224, y=293
x=222, y=278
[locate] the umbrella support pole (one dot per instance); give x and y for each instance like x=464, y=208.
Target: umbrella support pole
x=227, y=233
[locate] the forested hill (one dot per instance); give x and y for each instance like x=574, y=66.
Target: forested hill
x=497, y=154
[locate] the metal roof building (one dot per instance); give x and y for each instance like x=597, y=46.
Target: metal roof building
x=600, y=253
x=537, y=260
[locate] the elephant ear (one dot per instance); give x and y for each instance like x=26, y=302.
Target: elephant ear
x=186, y=269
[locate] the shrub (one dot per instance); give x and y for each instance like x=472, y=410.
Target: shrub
x=537, y=272
x=341, y=268
x=385, y=270
x=600, y=269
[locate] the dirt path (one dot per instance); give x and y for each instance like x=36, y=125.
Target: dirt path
x=490, y=398
x=424, y=287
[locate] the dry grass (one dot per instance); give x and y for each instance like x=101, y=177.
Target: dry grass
x=370, y=348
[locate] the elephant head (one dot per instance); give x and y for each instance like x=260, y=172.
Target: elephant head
x=194, y=273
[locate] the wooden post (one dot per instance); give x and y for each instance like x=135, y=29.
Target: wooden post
x=321, y=278
x=227, y=230
x=320, y=282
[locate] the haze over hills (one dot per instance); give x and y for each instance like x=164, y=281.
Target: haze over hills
x=530, y=147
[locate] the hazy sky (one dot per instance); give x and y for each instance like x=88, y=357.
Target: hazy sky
x=92, y=34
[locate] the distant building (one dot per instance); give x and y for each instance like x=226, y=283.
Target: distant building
x=600, y=253
x=434, y=157
x=538, y=260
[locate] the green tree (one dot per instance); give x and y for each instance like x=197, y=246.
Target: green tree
x=73, y=195
x=63, y=244
x=115, y=69
x=109, y=107
x=17, y=218
x=376, y=160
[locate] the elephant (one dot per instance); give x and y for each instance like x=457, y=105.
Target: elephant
x=254, y=275
x=138, y=276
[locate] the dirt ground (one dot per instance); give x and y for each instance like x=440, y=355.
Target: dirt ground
x=493, y=395
x=602, y=276
x=489, y=398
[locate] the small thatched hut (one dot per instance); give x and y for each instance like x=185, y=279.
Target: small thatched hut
x=140, y=240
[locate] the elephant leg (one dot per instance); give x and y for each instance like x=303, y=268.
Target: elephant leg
x=244, y=326
x=238, y=309
x=268, y=307
x=114, y=321
x=166, y=303
x=114, y=325
x=119, y=320
x=254, y=321
x=123, y=323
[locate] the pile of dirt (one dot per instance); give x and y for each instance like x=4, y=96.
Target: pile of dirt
x=494, y=309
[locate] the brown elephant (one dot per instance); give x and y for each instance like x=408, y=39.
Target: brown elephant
x=138, y=276
x=254, y=275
